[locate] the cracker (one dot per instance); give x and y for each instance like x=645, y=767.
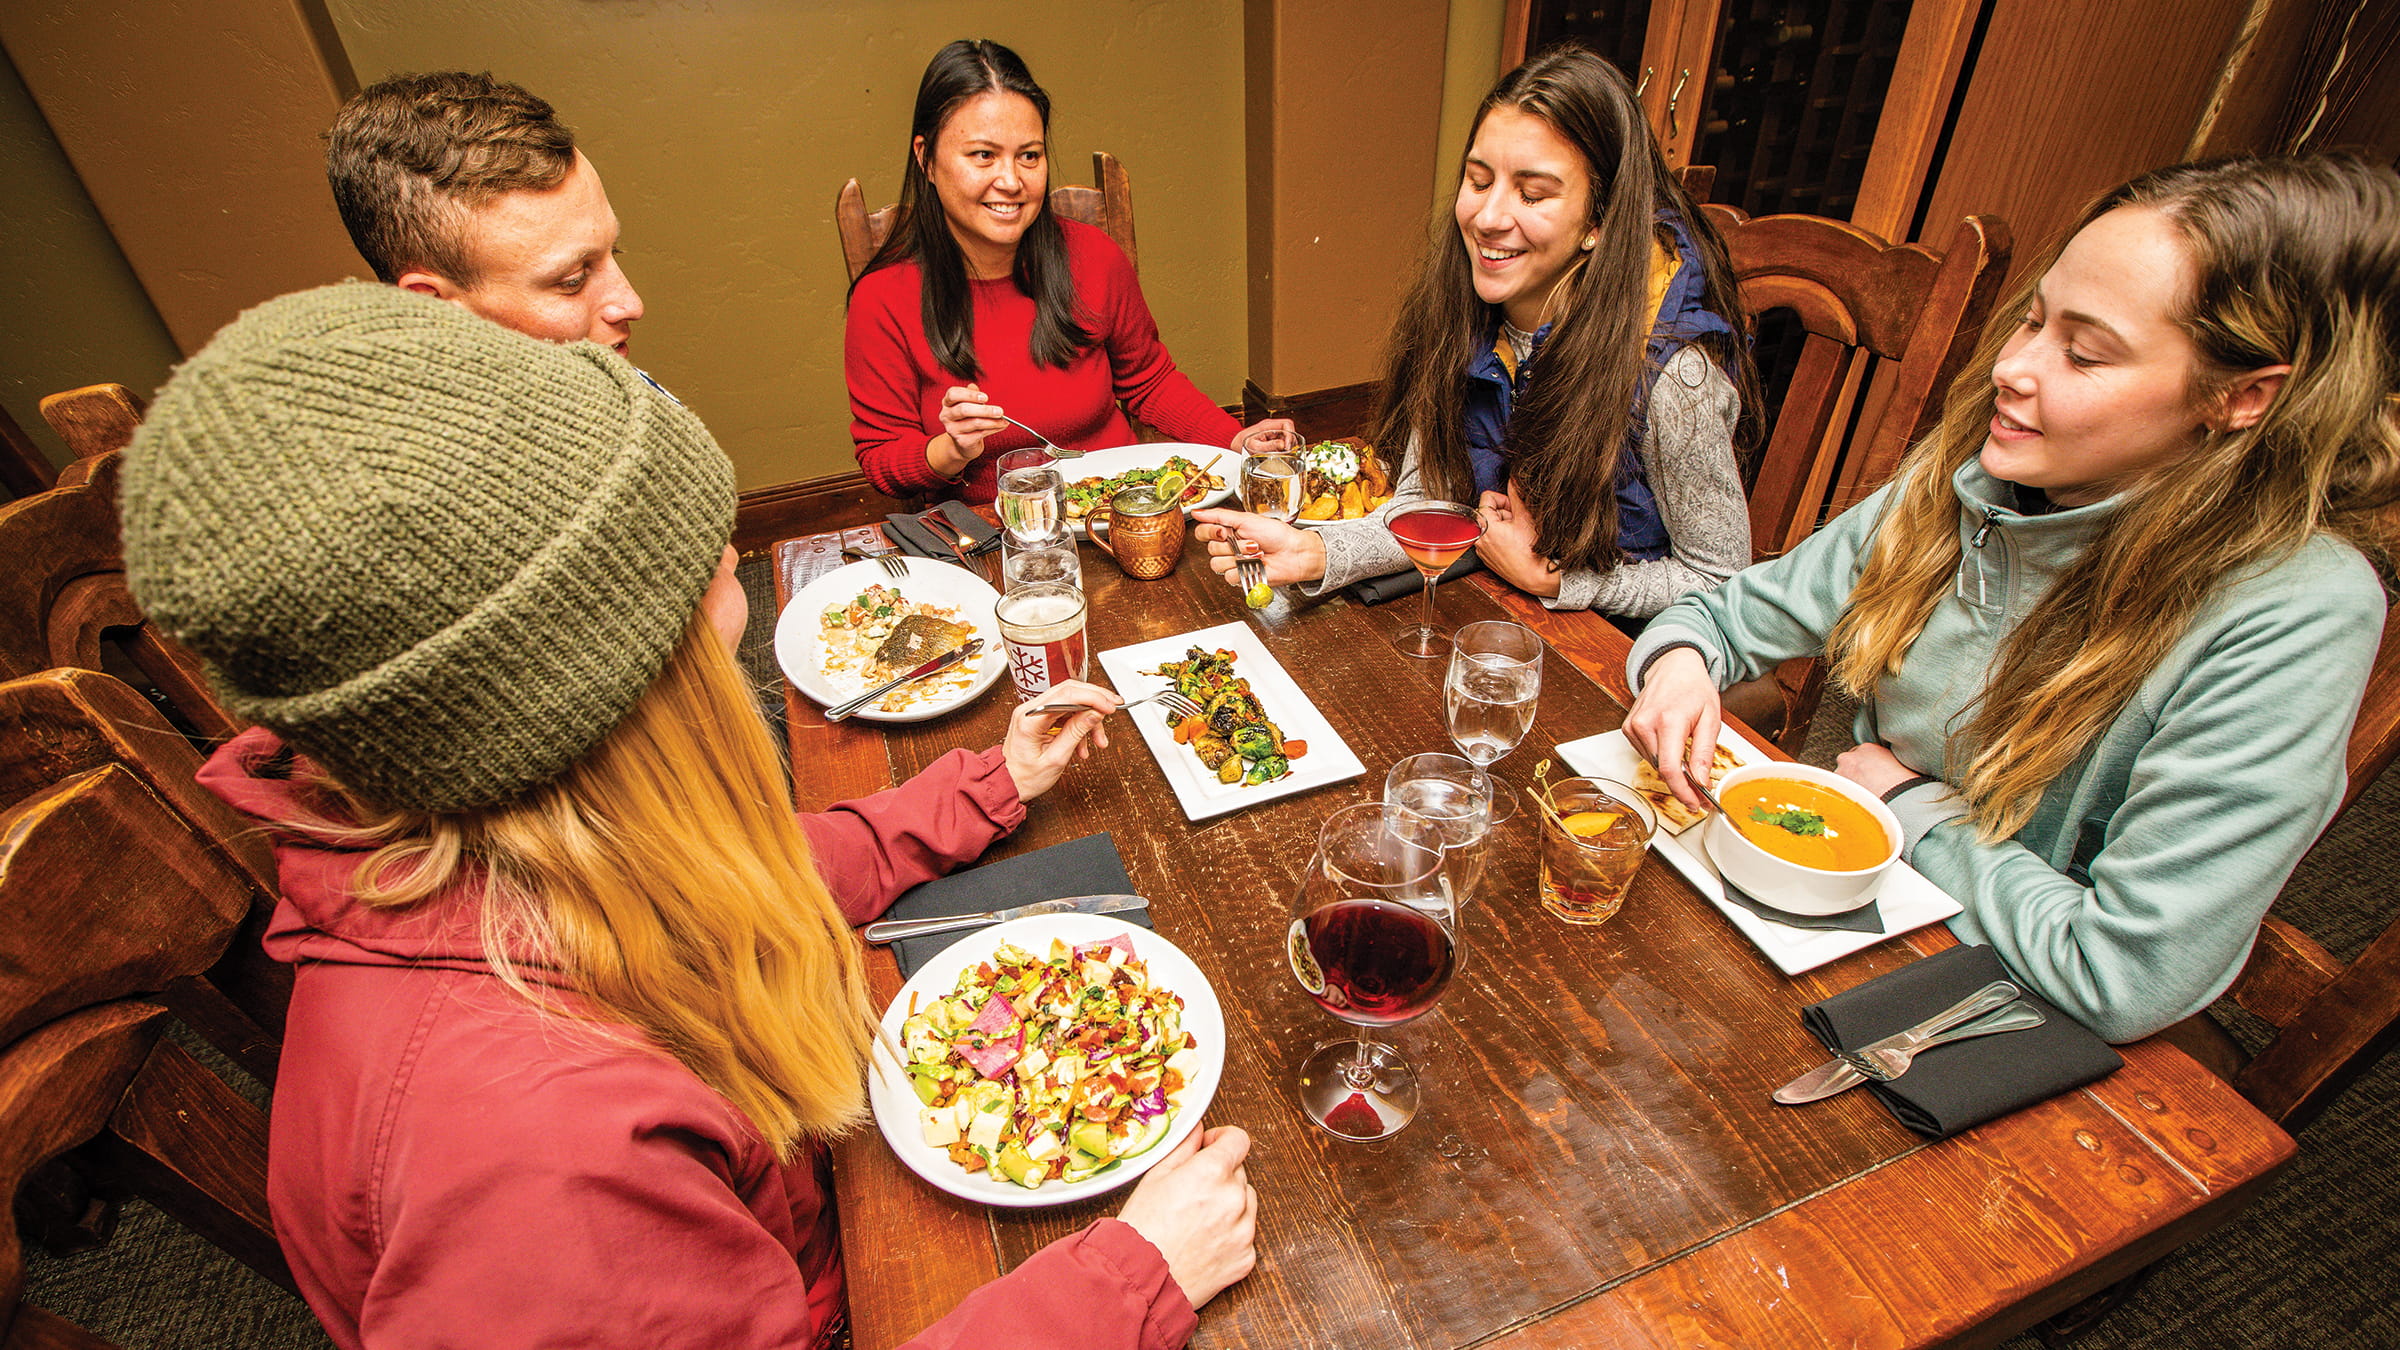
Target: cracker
x=1672, y=813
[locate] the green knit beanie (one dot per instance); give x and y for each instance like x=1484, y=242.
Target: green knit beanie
x=441, y=558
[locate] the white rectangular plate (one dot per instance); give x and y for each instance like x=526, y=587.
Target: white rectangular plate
x=1328, y=760
x=1908, y=901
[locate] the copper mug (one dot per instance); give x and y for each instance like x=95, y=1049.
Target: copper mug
x=1141, y=528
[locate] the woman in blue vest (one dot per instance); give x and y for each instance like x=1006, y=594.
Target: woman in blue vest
x=1570, y=359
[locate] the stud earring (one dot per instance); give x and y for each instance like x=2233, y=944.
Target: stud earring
x=1589, y=240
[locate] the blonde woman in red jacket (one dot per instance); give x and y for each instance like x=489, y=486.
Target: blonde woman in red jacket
x=577, y=999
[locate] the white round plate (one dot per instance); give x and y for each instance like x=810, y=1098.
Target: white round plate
x=896, y=1105
x=1126, y=458
x=799, y=650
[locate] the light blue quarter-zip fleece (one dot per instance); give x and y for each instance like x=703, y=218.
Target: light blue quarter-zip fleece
x=2131, y=898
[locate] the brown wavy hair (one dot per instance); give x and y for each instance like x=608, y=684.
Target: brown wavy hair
x=2296, y=261
x=665, y=881
x=1568, y=434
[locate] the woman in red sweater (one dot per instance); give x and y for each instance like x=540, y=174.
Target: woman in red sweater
x=991, y=303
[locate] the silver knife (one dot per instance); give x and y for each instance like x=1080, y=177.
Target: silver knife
x=1837, y=1075
x=933, y=667
x=892, y=930
x=1842, y=1074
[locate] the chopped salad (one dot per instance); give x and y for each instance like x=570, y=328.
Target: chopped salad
x=1039, y=1069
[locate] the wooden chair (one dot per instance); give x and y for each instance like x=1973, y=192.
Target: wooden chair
x=63, y=600
x=95, y=419
x=24, y=469
x=1857, y=297
x=1109, y=205
x=109, y=897
x=68, y=722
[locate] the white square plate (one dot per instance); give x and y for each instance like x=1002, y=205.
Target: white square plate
x=1328, y=760
x=1907, y=900
x=895, y=1103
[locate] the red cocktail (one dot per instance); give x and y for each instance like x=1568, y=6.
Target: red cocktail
x=1433, y=534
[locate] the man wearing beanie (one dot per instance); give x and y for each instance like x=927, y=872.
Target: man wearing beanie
x=470, y=190
x=576, y=1000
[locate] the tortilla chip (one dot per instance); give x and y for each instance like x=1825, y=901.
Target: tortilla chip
x=1672, y=813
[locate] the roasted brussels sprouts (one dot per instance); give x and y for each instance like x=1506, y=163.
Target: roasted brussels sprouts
x=1255, y=742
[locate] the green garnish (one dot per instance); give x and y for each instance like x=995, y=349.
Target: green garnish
x=1795, y=820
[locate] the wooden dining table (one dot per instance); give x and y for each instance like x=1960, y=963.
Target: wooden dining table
x=1596, y=1161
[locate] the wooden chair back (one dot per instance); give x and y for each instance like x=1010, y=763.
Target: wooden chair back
x=69, y=725
x=24, y=469
x=95, y=419
x=116, y=908
x=63, y=600
x=1857, y=297
x=1108, y=204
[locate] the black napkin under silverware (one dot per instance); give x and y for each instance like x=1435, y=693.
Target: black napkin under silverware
x=1955, y=1087
x=914, y=539
x=1376, y=590
x=982, y=535
x=1086, y=866
x=1867, y=918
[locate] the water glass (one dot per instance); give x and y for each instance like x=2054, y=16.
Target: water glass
x=1032, y=500
x=1049, y=560
x=1457, y=797
x=1489, y=696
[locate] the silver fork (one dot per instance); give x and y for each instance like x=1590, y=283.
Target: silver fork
x=1883, y=1063
x=890, y=558
x=1056, y=450
x=1251, y=570
x=1166, y=698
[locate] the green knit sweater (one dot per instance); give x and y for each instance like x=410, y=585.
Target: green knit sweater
x=2131, y=898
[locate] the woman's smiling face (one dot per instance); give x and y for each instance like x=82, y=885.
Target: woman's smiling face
x=1524, y=211
x=991, y=169
x=2097, y=386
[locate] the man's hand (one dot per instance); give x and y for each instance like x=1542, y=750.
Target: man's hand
x=1040, y=745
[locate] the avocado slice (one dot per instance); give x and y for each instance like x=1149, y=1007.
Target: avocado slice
x=1019, y=1167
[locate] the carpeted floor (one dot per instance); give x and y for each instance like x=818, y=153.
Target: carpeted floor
x=2309, y=1267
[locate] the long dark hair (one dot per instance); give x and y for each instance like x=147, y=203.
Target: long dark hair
x=921, y=232
x=1568, y=433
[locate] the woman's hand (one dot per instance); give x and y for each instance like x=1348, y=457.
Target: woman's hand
x=1292, y=555
x=1041, y=744
x=1677, y=709
x=1507, y=544
x=1270, y=427
x=968, y=415
x=1874, y=767
x=1199, y=1209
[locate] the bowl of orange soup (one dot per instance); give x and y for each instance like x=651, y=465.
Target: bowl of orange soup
x=1800, y=838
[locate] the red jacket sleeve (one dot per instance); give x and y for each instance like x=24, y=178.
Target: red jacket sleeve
x=873, y=848
x=1147, y=379
x=880, y=360
x=1107, y=1283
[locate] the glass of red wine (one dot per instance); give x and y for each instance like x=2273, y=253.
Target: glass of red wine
x=1374, y=940
x=1433, y=534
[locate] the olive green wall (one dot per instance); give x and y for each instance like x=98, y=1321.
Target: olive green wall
x=74, y=314
x=723, y=131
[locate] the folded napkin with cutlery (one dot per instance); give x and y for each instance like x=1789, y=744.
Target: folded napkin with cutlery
x=1086, y=866
x=1399, y=585
x=1955, y=1087
x=910, y=536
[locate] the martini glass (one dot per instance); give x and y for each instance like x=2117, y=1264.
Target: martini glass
x=1433, y=534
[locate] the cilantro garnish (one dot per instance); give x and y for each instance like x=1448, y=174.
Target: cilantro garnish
x=1794, y=820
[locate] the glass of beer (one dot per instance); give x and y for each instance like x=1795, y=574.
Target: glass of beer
x=1594, y=836
x=1042, y=625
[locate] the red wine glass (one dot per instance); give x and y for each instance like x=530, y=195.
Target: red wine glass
x=1433, y=534
x=1374, y=940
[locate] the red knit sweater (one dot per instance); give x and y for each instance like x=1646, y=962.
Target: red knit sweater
x=896, y=387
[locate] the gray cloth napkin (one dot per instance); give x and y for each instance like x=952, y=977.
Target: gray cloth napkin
x=1086, y=866
x=1961, y=1085
x=911, y=538
x=1376, y=590
x=1867, y=918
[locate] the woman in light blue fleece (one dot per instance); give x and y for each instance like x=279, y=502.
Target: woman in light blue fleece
x=2109, y=625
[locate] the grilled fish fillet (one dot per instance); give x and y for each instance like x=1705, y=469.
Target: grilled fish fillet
x=917, y=639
